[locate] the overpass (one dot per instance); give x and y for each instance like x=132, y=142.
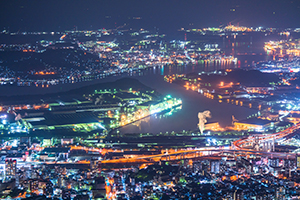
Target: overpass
x=245, y=143
x=238, y=148
x=196, y=154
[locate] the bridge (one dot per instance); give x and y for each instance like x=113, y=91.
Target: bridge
x=242, y=147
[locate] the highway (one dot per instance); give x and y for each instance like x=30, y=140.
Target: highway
x=241, y=147
x=241, y=143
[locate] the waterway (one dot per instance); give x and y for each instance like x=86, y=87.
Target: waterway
x=185, y=118
x=181, y=119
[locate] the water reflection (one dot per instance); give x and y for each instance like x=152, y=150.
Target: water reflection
x=186, y=117
x=146, y=123
x=185, y=68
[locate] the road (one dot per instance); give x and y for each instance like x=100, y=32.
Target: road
x=238, y=148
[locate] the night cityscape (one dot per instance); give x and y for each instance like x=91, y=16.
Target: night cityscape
x=154, y=100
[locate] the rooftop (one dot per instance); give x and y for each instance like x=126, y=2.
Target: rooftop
x=255, y=121
x=67, y=118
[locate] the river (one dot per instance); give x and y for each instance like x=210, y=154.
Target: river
x=183, y=119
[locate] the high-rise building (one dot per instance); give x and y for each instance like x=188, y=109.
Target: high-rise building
x=10, y=168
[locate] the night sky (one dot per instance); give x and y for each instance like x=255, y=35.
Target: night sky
x=60, y=15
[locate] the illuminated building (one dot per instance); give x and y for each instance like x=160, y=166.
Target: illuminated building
x=298, y=162
x=213, y=126
x=46, y=142
x=294, y=118
x=10, y=168
x=215, y=166
x=12, y=123
x=158, y=106
x=291, y=47
x=66, y=141
x=52, y=154
x=259, y=89
x=233, y=28
x=254, y=124
x=33, y=184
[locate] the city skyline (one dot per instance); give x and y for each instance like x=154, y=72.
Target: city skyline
x=132, y=100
